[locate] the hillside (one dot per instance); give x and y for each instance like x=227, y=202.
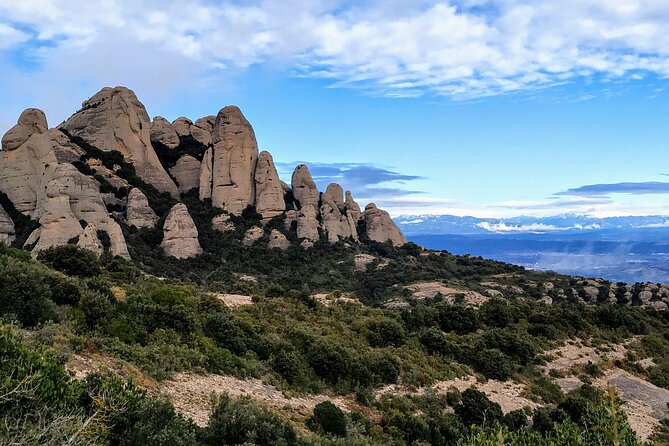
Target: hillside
x=164, y=287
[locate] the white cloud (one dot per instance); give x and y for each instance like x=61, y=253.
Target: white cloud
x=10, y=36
x=459, y=48
x=503, y=227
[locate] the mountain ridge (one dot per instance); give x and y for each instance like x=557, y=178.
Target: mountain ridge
x=110, y=166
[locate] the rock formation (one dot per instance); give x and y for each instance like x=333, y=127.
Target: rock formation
x=307, y=224
x=278, y=240
x=380, y=227
x=202, y=130
x=7, y=230
x=234, y=161
x=269, y=199
x=180, y=234
x=187, y=173
x=334, y=195
x=65, y=150
x=222, y=223
x=26, y=151
x=182, y=126
x=38, y=175
x=114, y=119
x=252, y=235
x=89, y=240
x=163, y=132
x=138, y=211
x=71, y=197
x=206, y=174
x=304, y=188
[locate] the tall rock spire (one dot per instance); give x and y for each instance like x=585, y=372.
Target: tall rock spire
x=234, y=161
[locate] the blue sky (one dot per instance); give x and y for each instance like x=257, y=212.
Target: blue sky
x=472, y=107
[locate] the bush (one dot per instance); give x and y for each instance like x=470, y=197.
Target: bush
x=385, y=332
x=328, y=418
x=240, y=421
x=153, y=423
x=476, y=408
x=24, y=292
x=71, y=260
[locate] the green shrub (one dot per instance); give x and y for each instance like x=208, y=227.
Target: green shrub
x=71, y=260
x=476, y=409
x=328, y=418
x=24, y=292
x=240, y=421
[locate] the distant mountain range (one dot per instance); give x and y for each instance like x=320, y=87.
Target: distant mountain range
x=630, y=249
x=567, y=223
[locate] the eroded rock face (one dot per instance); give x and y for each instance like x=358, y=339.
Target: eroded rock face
x=180, y=234
x=69, y=198
x=304, y=187
x=89, y=240
x=187, y=173
x=252, y=235
x=234, y=161
x=182, y=126
x=202, y=130
x=307, y=224
x=26, y=151
x=58, y=225
x=380, y=227
x=206, y=174
x=65, y=150
x=7, y=234
x=334, y=195
x=269, y=200
x=353, y=214
x=222, y=223
x=278, y=240
x=138, y=211
x=163, y=132
x=114, y=119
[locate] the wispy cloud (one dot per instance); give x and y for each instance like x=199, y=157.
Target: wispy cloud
x=367, y=181
x=456, y=48
x=601, y=190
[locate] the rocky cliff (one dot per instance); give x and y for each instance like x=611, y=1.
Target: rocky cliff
x=109, y=171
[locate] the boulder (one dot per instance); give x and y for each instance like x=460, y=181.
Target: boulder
x=186, y=172
x=89, y=240
x=26, y=151
x=307, y=224
x=206, y=172
x=182, y=126
x=269, y=200
x=234, y=161
x=65, y=150
x=202, y=130
x=278, y=240
x=222, y=223
x=304, y=188
x=180, y=234
x=7, y=234
x=138, y=211
x=114, y=119
x=163, y=132
x=380, y=227
x=252, y=235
